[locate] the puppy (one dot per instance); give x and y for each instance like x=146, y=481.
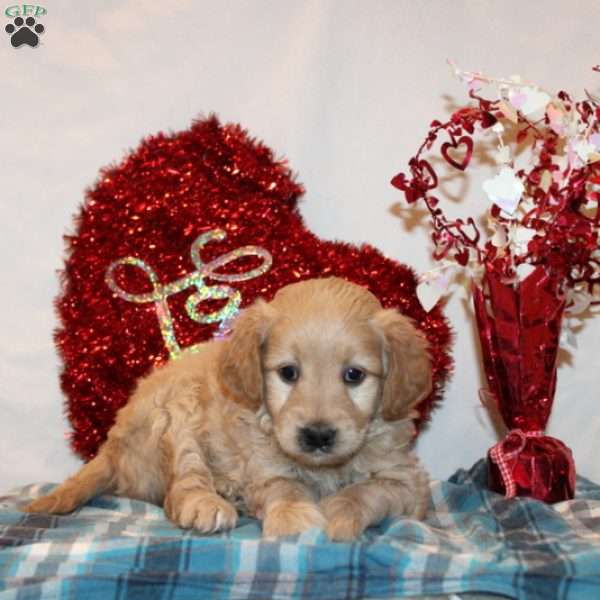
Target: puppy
x=302, y=418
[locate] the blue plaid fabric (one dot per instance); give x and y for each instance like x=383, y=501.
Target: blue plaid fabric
x=473, y=540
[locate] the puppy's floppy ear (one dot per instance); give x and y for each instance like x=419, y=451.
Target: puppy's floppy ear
x=241, y=365
x=408, y=375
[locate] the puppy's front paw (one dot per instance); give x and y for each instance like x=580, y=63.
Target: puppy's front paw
x=205, y=511
x=345, y=518
x=290, y=517
x=58, y=503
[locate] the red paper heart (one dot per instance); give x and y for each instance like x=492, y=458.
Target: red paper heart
x=464, y=147
x=138, y=254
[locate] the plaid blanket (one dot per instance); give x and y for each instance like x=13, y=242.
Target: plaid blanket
x=473, y=540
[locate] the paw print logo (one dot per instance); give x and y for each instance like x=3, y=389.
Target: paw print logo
x=24, y=31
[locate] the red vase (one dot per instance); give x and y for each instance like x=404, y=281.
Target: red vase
x=519, y=330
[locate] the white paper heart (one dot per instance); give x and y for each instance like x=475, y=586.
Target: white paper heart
x=429, y=293
x=505, y=190
x=529, y=100
x=434, y=284
x=524, y=270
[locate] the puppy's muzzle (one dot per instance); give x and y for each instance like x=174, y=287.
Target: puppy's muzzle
x=317, y=436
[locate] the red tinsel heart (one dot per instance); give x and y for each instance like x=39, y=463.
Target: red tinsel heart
x=458, y=153
x=155, y=241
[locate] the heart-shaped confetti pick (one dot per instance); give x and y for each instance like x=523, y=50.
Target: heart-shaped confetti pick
x=433, y=285
x=172, y=243
x=458, y=153
x=505, y=190
x=529, y=100
x=541, y=254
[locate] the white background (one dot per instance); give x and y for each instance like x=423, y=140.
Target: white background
x=344, y=89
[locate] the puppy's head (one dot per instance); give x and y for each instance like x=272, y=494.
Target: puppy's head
x=325, y=359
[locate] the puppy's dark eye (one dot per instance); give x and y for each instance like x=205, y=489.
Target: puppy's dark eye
x=354, y=375
x=289, y=373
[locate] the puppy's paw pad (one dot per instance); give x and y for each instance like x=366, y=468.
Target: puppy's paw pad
x=204, y=511
x=290, y=518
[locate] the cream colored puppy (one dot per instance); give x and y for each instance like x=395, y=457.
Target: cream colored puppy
x=302, y=418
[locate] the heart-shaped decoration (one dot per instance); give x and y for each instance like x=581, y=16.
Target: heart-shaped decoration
x=458, y=153
x=529, y=100
x=171, y=243
x=505, y=190
x=424, y=179
x=427, y=176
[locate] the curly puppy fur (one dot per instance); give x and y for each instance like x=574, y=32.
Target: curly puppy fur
x=302, y=418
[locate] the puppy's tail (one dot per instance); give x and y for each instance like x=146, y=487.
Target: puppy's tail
x=94, y=478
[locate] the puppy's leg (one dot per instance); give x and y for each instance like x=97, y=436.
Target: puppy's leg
x=95, y=477
x=286, y=507
x=191, y=499
x=354, y=508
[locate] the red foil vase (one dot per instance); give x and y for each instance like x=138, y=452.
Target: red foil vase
x=519, y=329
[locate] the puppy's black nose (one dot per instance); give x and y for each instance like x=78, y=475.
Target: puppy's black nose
x=317, y=436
